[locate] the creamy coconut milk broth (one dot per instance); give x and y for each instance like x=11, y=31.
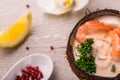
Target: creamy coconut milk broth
x=102, y=48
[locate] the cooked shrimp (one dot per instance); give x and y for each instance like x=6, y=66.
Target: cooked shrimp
x=89, y=27
x=117, y=30
x=115, y=41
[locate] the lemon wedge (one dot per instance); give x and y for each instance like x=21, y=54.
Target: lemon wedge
x=16, y=32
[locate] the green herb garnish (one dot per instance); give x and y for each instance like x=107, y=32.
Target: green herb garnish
x=113, y=68
x=86, y=60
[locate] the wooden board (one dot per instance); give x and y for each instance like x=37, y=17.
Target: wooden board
x=47, y=30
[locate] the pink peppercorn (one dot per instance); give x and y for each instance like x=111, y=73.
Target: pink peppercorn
x=51, y=47
x=27, y=6
x=30, y=73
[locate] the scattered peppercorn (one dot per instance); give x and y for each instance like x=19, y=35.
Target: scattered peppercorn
x=27, y=6
x=27, y=48
x=51, y=47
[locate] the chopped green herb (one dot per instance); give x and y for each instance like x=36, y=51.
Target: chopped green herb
x=113, y=68
x=86, y=60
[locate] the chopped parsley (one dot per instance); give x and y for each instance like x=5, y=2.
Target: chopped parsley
x=86, y=60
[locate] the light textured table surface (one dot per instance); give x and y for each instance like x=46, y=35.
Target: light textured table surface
x=46, y=30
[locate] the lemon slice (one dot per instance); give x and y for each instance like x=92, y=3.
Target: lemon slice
x=16, y=32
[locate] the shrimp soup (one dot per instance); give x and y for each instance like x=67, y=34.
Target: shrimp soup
x=99, y=41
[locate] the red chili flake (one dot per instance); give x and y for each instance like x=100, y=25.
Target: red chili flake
x=51, y=47
x=27, y=6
